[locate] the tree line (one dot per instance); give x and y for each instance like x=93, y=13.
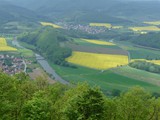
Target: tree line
x=147, y=66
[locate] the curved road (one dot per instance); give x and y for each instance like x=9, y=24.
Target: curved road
x=45, y=65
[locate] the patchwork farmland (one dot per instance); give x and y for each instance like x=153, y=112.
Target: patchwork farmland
x=97, y=57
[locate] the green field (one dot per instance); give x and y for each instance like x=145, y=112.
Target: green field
x=120, y=78
x=141, y=75
x=138, y=53
x=107, y=80
x=78, y=41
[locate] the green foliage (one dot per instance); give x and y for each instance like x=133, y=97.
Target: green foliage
x=24, y=99
x=47, y=40
x=135, y=104
x=87, y=105
x=36, y=109
x=147, y=66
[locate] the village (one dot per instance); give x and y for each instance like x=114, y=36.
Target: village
x=85, y=28
x=11, y=65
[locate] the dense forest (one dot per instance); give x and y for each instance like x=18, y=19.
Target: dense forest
x=25, y=99
x=47, y=42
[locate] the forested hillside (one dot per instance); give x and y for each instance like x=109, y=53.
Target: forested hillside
x=47, y=42
x=75, y=9
x=24, y=99
x=9, y=12
x=137, y=10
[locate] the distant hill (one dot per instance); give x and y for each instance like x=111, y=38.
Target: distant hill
x=63, y=5
x=73, y=10
x=115, y=11
x=137, y=10
x=9, y=12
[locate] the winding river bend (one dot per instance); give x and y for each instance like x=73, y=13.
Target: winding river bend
x=44, y=64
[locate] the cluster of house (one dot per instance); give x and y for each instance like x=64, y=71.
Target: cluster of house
x=84, y=28
x=11, y=65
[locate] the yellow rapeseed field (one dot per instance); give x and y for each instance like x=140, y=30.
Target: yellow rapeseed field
x=50, y=24
x=107, y=25
x=3, y=42
x=145, y=28
x=97, y=61
x=155, y=62
x=4, y=47
x=152, y=61
x=99, y=42
x=153, y=23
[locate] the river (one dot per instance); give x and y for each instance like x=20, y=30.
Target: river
x=44, y=64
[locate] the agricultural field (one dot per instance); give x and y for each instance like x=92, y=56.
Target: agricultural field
x=153, y=23
x=145, y=28
x=106, y=80
x=97, y=61
x=78, y=41
x=141, y=75
x=4, y=46
x=137, y=52
x=97, y=49
x=50, y=24
x=99, y=42
x=107, y=25
x=151, y=61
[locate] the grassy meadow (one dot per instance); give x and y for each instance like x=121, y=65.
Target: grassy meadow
x=137, y=52
x=106, y=80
